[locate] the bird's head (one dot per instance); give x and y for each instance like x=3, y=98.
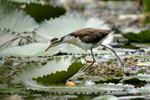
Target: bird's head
x=53, y=42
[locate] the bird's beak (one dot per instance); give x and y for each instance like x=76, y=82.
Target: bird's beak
x=48, y=48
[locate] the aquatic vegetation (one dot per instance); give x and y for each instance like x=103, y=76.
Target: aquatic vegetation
x=143, y=36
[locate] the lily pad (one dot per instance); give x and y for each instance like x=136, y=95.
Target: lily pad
x=142, y=77
x=106, y=97
x=33, y=49
x=143, y=36
x=78, y=89
x=43, y=12
x=15, y=19
x=56, y=70
x=10, y=39
x=64, y=25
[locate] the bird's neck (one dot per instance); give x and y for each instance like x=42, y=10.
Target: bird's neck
x=76, y=41
x=68, y=39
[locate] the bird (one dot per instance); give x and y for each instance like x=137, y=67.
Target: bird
x=86, y=38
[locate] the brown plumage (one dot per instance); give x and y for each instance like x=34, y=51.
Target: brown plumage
x=90, y=35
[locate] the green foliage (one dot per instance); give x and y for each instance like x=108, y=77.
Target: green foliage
x=64, y=25
x=142, y=71
x=9, y=38
x=143, y=36
x=106, y=97
x=41, y=12
x=86, y=87
x=146, y=4
x=59, y=69
x=60, y=76
x=15, y=19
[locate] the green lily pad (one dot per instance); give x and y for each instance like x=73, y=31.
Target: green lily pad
x=43, y=12
x=15, y=19
x=59, y=69
x=83, y=88
x=106, y=97
x=145, y=89
x=64, y=25
x=143, y=36
x=142, y=77
x=33, y=49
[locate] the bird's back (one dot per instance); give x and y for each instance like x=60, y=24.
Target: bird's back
x=91, y=35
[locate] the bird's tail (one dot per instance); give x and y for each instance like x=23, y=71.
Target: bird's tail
x=109, y=38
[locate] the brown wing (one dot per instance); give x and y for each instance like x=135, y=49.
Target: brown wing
x=90, y=35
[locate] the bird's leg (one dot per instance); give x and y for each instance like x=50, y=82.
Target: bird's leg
x=91, y=63
x=115, y=55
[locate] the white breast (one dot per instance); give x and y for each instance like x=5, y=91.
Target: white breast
x=76, y=41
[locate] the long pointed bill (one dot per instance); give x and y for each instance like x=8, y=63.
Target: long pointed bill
x=48, y=48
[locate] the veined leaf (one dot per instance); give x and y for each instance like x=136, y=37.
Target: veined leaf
x=9, y=38
x=106, y=97
x=145, y=89
x=79, y=88
x=142, y=77
x=33, y=49
x=27, y=1
x=41, y=12
x=57, y=70
x=64, y=25
x=6, y=35
x=143, y=36
x=15, y=19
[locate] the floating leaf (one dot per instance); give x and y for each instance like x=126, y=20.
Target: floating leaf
x=9, y=38
x=78, y=89
x=57, y=70
x=15, y=19
x=81, y=77
x=131, y=97
x=33, y=49
x=5, y=36
x=41, y=12
x=106, y=97
x=143, y=36
x=27, y=1
x=64, y=25
x=145, y=89
x=141, y=77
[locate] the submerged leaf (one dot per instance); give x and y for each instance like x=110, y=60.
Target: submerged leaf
x=15, y=19
x=57, y=70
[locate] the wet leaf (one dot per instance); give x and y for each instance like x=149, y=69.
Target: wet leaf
x=106, y=97
x=145, y=89
x=143, y=36
x=15, y=19
x=59, y=69
x=64, y=25
x=10, y=39
x=78, y=89
x=142, y=77
x=33, y=49
x=43, y=12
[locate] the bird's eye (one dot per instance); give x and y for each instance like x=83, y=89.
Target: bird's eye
x=54, y=39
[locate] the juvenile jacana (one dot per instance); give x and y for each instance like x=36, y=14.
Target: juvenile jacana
x=87, y=39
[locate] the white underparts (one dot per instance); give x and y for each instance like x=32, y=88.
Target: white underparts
x=76, y=41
